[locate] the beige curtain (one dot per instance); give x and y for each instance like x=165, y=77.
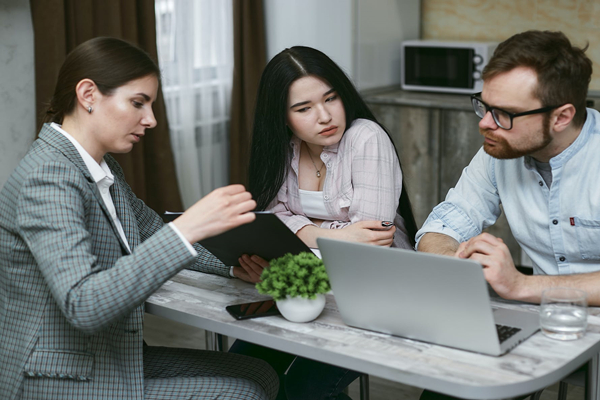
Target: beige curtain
x=59, y=26
x=249, y=49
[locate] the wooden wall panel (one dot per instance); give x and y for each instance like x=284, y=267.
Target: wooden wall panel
x=415, y=131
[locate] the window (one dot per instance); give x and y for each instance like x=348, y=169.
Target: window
x=195, y=50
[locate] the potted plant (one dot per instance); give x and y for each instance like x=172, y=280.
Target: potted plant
x=298, y=284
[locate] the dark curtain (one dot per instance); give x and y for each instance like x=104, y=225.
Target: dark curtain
x=59, y=26
x=249, y=49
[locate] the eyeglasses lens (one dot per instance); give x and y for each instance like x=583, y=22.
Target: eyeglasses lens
x=478, y=107
x=502, y=119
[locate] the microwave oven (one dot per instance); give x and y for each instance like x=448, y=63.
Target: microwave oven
x=450, y=67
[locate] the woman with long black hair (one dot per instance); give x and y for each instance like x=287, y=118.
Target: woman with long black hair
x=319, y=158
x=324, y=165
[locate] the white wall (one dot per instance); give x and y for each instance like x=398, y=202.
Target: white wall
x=17, y=84
x=326, y=25
x=381, y=26
x=361, y=36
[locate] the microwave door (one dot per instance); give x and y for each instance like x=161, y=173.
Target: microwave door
x=441, y=67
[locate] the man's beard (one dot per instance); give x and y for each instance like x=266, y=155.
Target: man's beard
x=504, y=151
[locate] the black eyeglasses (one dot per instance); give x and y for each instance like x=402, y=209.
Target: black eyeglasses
x=502, y=118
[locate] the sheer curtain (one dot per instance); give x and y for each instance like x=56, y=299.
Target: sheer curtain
x=195, y=50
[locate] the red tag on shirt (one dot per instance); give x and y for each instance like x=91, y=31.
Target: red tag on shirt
x=572, y=221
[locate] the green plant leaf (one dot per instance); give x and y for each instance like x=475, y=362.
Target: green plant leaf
x=295, y=275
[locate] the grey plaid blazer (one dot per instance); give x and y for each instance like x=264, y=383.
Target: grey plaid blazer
x=71, y=295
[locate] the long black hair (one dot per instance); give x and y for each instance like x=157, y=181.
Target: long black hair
x=270, y=155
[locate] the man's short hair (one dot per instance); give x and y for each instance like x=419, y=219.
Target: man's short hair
x=563, y=70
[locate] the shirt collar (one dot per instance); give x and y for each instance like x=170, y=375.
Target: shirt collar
x=579, y=142
x=295, y=143
x=565, y=155
x=98, y=171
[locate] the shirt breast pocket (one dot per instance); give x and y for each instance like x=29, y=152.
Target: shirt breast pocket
x=588, y=237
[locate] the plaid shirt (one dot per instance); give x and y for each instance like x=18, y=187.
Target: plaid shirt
x=363, y=182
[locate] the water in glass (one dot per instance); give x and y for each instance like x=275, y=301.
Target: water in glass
x=563, y=313
x=563, y=322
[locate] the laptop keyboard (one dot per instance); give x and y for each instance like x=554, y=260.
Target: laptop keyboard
x=505, y=332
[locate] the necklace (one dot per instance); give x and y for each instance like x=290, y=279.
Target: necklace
x=313, y=162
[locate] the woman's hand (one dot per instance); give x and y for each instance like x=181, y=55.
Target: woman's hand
x=379, y=233
x=369, y=232
x=250, y=268
x=217, y=212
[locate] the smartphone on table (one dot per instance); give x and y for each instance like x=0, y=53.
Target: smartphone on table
x=253, y=310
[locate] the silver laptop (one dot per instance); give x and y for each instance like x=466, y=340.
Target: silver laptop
x=421, y=296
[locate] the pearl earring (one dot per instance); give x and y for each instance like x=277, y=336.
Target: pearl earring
x=90, y=109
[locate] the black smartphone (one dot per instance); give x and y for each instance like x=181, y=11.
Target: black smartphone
x=253, y=310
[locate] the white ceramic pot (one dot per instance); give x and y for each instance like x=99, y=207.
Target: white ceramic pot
x=299, y=309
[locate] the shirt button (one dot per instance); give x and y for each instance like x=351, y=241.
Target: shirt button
x=541, y=183
x=328, y=164
x=562, y=258
x=326, y=197
x=555, y=222
x=325, y=156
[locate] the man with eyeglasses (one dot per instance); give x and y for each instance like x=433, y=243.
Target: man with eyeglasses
x=540, y=160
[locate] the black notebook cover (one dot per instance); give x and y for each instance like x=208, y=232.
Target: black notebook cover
x=266, y=237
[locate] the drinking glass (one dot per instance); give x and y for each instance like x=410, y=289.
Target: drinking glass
x=563, y=313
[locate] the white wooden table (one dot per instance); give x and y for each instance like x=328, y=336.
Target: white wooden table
x=199, y=300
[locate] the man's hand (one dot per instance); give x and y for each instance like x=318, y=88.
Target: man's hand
x=499, y=269
x=250, y=268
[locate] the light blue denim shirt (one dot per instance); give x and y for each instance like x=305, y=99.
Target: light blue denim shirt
x=558, y=227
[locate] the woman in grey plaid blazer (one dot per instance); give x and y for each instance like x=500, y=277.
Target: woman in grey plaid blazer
x=79, y=253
